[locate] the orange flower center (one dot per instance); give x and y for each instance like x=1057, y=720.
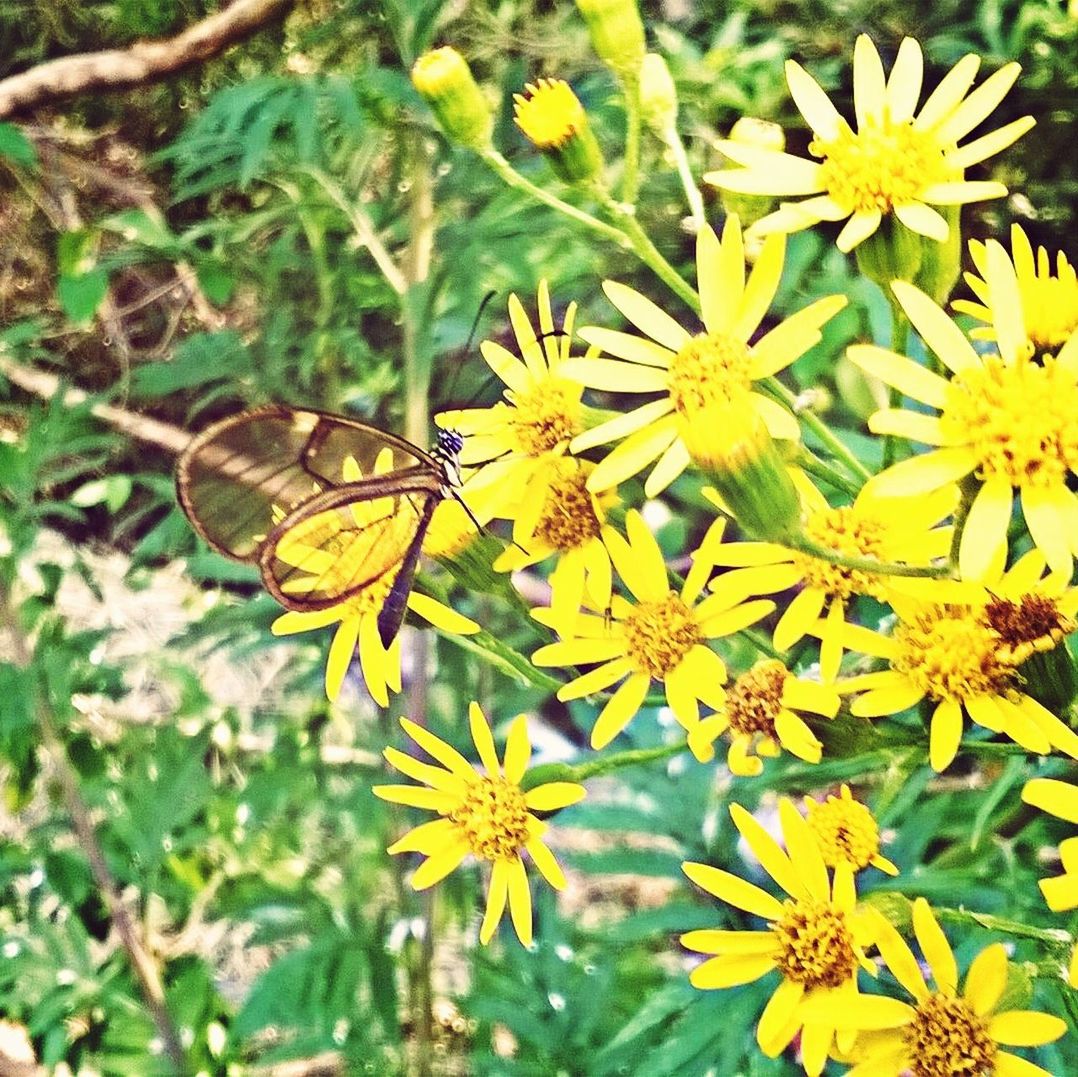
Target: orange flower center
x=658, y=635
x=848, y=531
x=754, y=700
x=946, y=1037
x=1033, y=624
x=845, y=831
x=547, y=416
x=711, y=369
x=568, y=519
x=815, y=944
x=493, y=818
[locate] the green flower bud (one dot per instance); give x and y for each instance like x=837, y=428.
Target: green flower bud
x=658, y=94
x=617, y=34
x=445, y=81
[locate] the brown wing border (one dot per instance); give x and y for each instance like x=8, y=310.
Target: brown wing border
x=284, y=411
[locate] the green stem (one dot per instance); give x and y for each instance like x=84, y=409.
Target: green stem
x=810, y=463
x=630, y=179
x=1053, y=936
x=968, y=488
x=580, y=772
x=502, y=656
x=814, y=423
x=688, y=182
x=866, y=564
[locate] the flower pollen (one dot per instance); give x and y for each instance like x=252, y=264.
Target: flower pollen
x=754, y=700
x=547, y=416
x=659, y=634
x=946, y=1037
x=493, y=818
x=845, y=831
x=1020, y=419
x=949, y=653
x=568, y=519
x=815, y=944
x=884, y=165
x=1033, y=624
x=711, y=369
x=848, y=531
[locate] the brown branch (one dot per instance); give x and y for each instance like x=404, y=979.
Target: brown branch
x=145, y=61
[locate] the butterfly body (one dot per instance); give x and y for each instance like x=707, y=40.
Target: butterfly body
x=330, y=509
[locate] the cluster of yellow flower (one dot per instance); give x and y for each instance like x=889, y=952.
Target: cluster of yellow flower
x=981, y=593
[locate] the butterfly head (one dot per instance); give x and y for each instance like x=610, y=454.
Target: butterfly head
x=447, y=451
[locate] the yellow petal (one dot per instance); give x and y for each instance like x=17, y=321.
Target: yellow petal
x=935, y=947
x=573, y=652
x=551, y=796
x=986, y=979
x=627, y=346
x=904, y=82
x=945, y=734
x=430, y=775
x=760, y=290
x=341, y=651
x=615, y=375
x=857, y=229
x=646, y=316
x=923, y=474
x=734, y=891
x=986, y=528
x=1026, y=1028
x=923, y=220
x=772, y=859
x=1051, y=795
x=909, y=378
x=620, y=709
x=496, y=897
x=437, y=867
x=426, y=838
x=440, y=615
x=622, y=425
x=780, y=1019
x=483, y=740
x=548, y=867
x=415, y=796
x=633, y=454
x=793, y=336
x=520, y=899
x=945, y=98
x=506, y=365
x=730, y=971
x=518, y=750
x=595, y=680
x=813, y=103
x=979, y=104
x=718, y=941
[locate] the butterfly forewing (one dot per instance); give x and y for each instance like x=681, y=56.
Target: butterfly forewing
x=240, y=476
x=350, y=541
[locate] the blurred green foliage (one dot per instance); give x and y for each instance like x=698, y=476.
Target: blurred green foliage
x=199, y=245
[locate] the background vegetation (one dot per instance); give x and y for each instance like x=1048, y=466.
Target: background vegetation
x=201, y=244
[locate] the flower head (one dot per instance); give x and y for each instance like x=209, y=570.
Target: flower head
x=552, y=118
x=1049, y=301
x=698, y=375
x=847, y=833
x=897, y=161
x=816, y=938
x=357, y=616
x=954, y=659
x=541, y=412
x=485, y=814
x=558, y=516
x=661, y=636
x=1061, y=800
x=443, y=77
x=760, y=715
x=942, y=1033
x=1005, y=420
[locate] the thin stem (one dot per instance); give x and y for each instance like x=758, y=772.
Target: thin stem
x=968, y=487
x=142, y=964
x=580, y=772
x=688, y=182
x=821, y=469
x=630, y=178
x=1053, y=936
x=867, y=564
x=818, y=427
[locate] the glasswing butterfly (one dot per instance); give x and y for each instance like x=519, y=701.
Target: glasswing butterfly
x=326, y=506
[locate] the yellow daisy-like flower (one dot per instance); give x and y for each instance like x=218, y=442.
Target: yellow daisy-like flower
x=898, y=160
x=952, y=657
x=847, y=833
x=1061, y=800
x=549, y=113
x=486, y=814
x=886, y=529
x=1004, y=419
x=942, y=1033
x=542, y=410
x=816, y=938
x=662, y=636
x=1049, y=302
x=357, y=617
x=697, y=374
x=559, y=516
x=760, y=714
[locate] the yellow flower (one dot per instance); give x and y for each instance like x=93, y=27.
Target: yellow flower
x=1061, y=800
x=816, y=938
x=542, y=410
x=1004, y=420
x=559, y=516
x=847, y=833
x=885, y=529
x=1049, y=303
x=357, y=617
x=663, y=636
x=697, y=374
x=953, y=658
x=554, y=121
x=760, y=715
x=942, y=1033
x=483, y=813
x=897, y=161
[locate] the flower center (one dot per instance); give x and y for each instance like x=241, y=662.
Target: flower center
x=1020, y=419
x=845, y=831
x=946, y=1038
x=754, y=700
x=548, y=113
x=658, y=635
x=493, y=818
x=711, y=369
x=949, y=653
x=815, y=944
x=850, y=532
x=1050, y=304
x=568, y=519
x=547, y=416
x=883, y=165
x=1033, y=624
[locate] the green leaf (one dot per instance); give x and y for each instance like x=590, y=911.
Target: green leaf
x=15, y=146
x=112, y=491
x=81, y=296
x=215, y=280
x=137, y=226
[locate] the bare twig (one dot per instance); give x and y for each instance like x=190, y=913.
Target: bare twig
x=145, y=61
x=142, y=964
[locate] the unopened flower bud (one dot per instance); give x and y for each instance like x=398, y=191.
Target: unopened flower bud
x=617, y=34
x=445, y=81
x=658, y=94
x=554, y=121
